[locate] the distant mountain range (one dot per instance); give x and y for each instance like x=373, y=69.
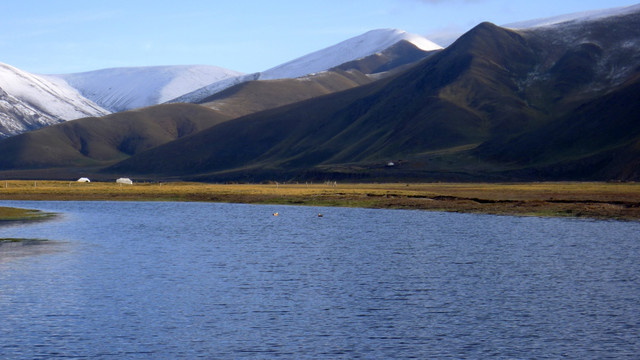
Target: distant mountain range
x=29, y=101
x=354, y=49
x=122, y=89
x=95, y=93
x=553, y=102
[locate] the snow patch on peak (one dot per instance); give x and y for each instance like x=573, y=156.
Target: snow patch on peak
x=120, y=89
x=49, y=95
x=369, y=43
x=202, y=93
x=420, y=42
x=578, y=16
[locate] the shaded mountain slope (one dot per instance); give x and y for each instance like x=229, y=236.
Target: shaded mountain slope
x=580, y=60
x=369, y=43
x=99, y=141
x=599, y=140
x=398, y=55
x=398, y=116
x=355, y=49
x=493, y=86
x=556, y=102
x=236, y=101
x=258, y=95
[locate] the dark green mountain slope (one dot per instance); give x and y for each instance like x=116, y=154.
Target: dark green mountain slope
x=100, y=141
x=598, y=140
x=397, y=56
x=557, y=102
x=402, y=116
x=254, y=96
x=454, y=115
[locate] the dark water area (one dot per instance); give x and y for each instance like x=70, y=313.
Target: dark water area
x=161, y=280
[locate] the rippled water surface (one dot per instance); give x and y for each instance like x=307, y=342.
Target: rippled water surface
x=186, y=280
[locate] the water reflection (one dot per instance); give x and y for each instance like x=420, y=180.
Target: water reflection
x=16, y=248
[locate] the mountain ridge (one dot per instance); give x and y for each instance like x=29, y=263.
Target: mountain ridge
x=92, y=142
x=355, y=48
x=29, y=101
x=551, y=103
x=121, y=89
x=439, y=117
x=257, y=95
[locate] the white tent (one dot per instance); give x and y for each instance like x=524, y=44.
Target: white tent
x=84, y=179
x=126, y=181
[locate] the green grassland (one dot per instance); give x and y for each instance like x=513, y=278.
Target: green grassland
x=575, y=199
x=13, y=214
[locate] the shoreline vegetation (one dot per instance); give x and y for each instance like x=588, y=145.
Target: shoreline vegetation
x=597, y=200
x=9, y=214
x=14, y=247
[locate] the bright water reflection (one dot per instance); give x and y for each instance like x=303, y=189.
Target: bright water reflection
x=187, y=280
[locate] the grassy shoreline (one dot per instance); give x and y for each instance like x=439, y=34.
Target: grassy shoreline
x=9, y=214
x=572, y=199
x=12, y=215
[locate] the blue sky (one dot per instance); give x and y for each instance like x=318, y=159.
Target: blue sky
x=63, y=36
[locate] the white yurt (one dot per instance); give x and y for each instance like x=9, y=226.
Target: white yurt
x=125, y=181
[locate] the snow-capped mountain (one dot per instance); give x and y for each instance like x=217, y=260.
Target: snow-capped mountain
x=369, y=43
x=47, y=93
x=120, y=89
x=206, y=91
x=16, y=116
x=579, y=16
x=604, y=49
x=447, y=38
x=29, y=101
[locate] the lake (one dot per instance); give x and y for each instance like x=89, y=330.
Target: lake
x=166, y=280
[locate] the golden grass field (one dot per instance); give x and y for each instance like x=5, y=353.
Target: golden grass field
x=578, y=199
